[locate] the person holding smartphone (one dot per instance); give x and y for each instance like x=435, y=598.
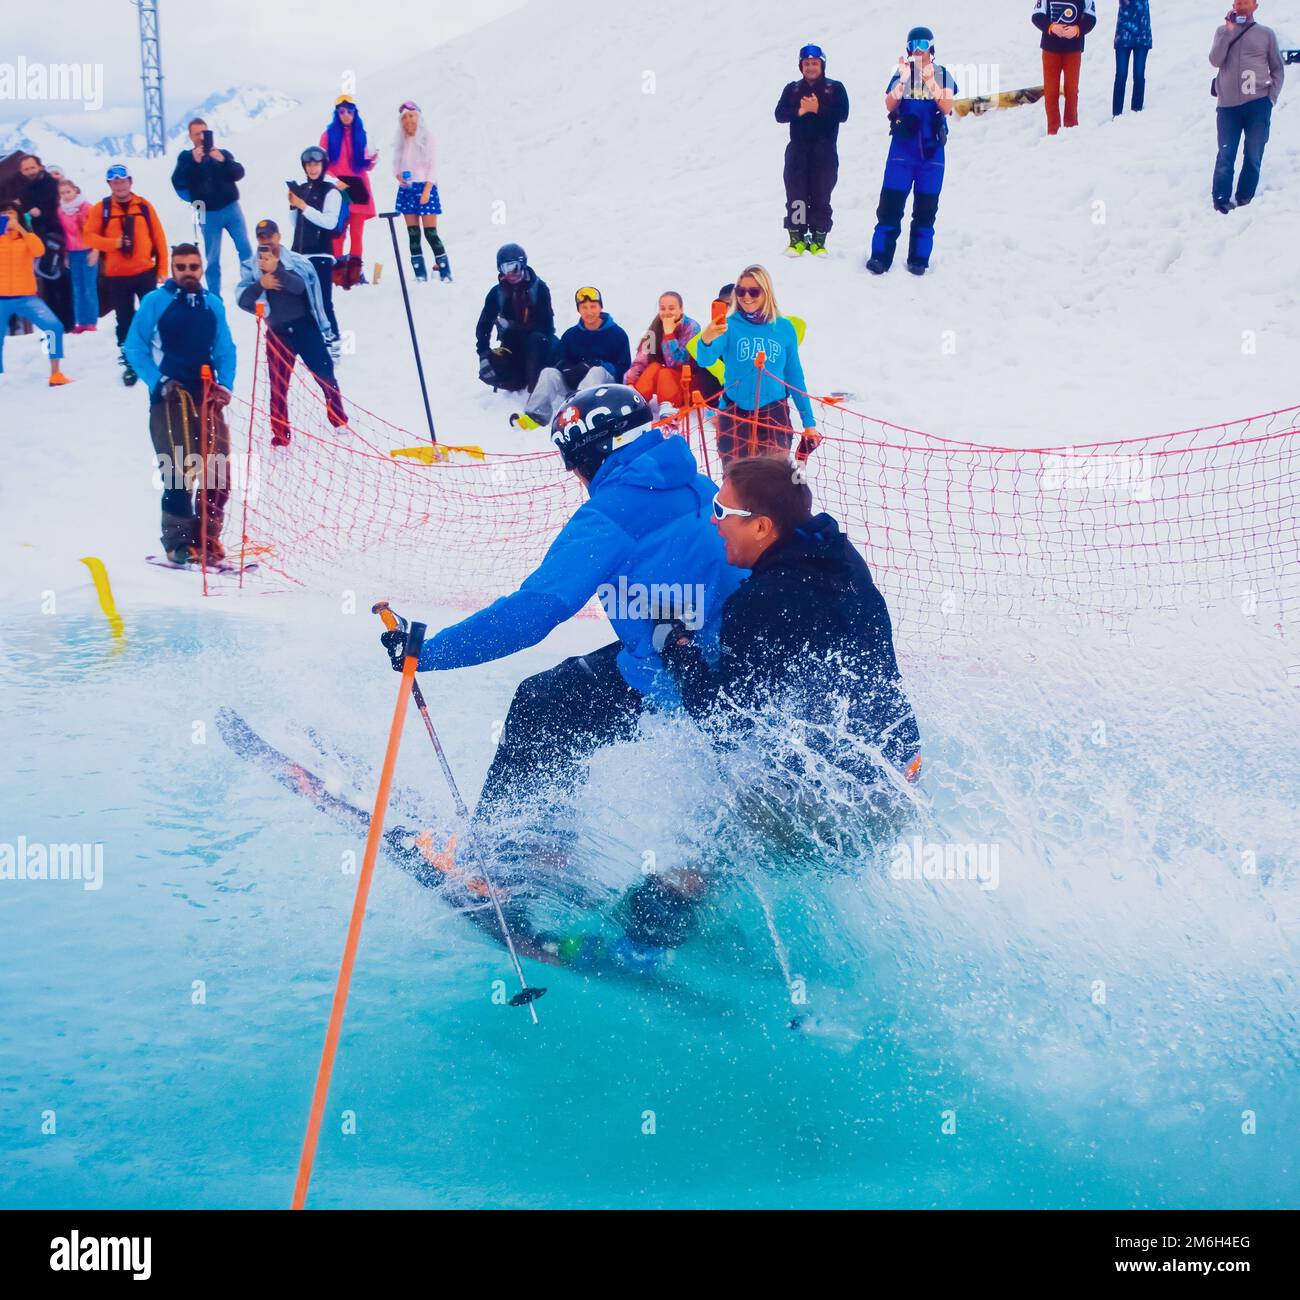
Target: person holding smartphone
x=316, y=207
x=755, y=420
x=1064, y=25
x=918, y=100
x=1250, y=76
x=287, y=283
x=19, y=250
x=207, y=178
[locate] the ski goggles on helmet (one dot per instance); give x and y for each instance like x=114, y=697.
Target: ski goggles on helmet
x=313, y=153
x=812, y=52
x=512, y=267
x=920, y=46
x=587, y=294
x=721, y=512
x=117, y=172
x=410, y=106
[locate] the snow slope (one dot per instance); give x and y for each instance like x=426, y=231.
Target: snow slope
x=1082, y=287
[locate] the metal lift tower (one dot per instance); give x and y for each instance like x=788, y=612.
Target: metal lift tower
x=155, y=132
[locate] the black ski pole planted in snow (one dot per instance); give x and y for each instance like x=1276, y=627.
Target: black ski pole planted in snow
x=410, y=322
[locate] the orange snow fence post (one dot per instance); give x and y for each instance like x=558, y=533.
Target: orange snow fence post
x=414, y=642
x=760, y=360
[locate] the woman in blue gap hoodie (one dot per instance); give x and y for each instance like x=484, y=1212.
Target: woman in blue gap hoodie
x=642, y=542
x=756, y=420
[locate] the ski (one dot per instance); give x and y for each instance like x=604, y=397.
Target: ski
x=221, y=566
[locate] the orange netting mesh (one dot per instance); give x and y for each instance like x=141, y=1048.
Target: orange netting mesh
x=961, y=537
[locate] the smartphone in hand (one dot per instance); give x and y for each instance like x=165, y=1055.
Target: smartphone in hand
x=720, y=308
x=207, y=142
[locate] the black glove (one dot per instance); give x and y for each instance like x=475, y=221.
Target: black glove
x=670, y=636
x=395, y=643
x=486, y=370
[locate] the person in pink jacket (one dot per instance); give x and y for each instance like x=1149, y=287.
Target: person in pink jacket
x=417, y=191
x=82, y=259
x=661, y=354
x=350, y=158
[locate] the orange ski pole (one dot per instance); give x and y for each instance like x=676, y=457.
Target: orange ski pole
x=414, y=643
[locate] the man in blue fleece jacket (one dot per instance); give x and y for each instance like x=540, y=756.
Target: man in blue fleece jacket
x=643, y=544
x=594, y=351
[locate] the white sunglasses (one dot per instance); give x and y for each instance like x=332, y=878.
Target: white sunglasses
x=721, y=512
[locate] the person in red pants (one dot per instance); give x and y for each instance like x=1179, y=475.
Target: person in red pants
x=1064, y=24
x=350, y=159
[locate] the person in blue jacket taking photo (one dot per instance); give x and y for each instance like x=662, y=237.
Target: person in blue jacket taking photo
x=641, y=543
x=753, y=410
x=918, y=100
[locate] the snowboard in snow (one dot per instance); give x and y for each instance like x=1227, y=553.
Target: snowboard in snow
x=225, y=566
x=978, y=105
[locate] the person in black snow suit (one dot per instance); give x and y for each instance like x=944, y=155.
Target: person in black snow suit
x=919, y=99
x=519, y=307
x=814, y=107
x=806, y=635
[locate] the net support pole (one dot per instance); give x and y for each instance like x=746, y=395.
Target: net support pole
x=414, y=643
x=391, y=217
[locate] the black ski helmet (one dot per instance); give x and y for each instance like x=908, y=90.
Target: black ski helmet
x=511, y=253
x=920, y=34
x=313, y=153
x=812, y=52
x=595, y=421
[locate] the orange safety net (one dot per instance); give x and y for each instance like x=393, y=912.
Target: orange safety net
x=961, y=537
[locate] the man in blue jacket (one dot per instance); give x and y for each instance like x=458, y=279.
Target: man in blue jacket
x=918, y=101
x=178, y=329
x=643, y=545
x=594, y=351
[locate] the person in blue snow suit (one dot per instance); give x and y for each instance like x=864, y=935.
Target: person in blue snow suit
x=919, y=99
x=641, y=542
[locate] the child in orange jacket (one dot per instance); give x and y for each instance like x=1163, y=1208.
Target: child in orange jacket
x=19, y=249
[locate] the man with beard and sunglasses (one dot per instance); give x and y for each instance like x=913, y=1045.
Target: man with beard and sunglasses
x=178, y=329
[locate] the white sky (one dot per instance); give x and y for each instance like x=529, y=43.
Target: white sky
x=300, y=47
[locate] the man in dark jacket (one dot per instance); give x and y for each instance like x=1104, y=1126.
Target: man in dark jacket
x=519, y=307
x=814, y=107
x=1064, y=25
x=594, y=351
x=206, y=178
x=38, y=192
x=806, y=636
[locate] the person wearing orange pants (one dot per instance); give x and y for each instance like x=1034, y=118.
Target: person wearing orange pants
x=1064, y=24
x=657, y=371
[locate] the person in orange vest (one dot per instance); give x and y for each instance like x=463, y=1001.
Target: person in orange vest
x=19, y=249
x=127, y=231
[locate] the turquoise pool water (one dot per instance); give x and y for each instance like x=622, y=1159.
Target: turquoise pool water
x=1115, y=1024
